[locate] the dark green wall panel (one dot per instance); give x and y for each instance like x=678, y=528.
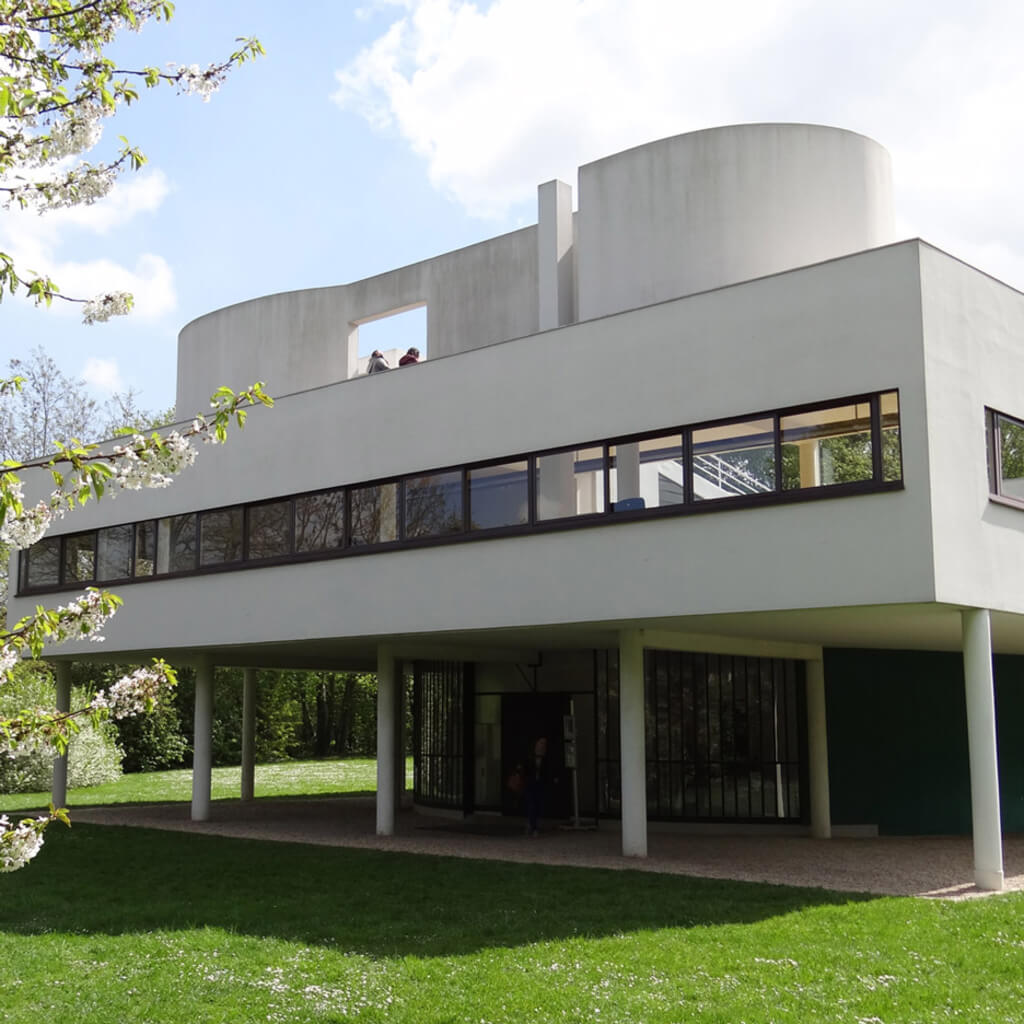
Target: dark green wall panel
x=897, y=736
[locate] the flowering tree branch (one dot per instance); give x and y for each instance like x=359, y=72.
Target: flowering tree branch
x=80, y=473
x=56, y=88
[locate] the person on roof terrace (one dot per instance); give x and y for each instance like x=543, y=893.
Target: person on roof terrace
x=412, y=356
x=377, y=362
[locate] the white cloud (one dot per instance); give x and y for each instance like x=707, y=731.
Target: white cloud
x=151, y=281
x=45, y=244
x=498, y=98
x=102, y=375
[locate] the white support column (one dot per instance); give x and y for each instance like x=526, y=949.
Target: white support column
x=387, y=687
x=981, y=744
x=399, y=732
x=59, y=796
x=248, y=787
x=632, y=743
x=817, y=751
x=202, y=762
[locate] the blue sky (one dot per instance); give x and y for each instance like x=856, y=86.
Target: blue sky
x=375, y=134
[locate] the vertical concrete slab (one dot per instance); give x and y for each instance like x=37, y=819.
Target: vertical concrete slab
x=555, y=259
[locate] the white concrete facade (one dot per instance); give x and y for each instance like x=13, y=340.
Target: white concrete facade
x=723, y=274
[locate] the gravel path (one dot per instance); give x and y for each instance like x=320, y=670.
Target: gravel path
x=927, y=867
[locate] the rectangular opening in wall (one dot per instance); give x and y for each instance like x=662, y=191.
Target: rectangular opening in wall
x=400, y=336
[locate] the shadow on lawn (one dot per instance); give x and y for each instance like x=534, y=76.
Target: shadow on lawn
x=117, y=881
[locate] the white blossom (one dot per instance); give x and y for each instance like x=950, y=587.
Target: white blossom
x=84, y=616
x=131, y=695
x=103, y=307
x=141, y=464
x=193, y=80
x=18, y=845
x=24, y=530
x=76, y=133
x=8, y=658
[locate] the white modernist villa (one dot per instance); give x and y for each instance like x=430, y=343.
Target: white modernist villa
x=712, y=464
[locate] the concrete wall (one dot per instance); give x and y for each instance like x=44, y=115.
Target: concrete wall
x=839, y=328
x=664, y=220
x=729, y=204
x=974, y=352
x=299, y=340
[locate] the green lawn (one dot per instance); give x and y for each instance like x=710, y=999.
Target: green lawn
x=289, y=778
x=125, y=925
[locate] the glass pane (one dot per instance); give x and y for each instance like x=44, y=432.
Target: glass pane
x=734, y=459
x=320, y=521
x=827, y=446
x=433, y=505
x=221, y=534
x=145, y=548
x=374, y=514
x=176, y=544
x=498, y=495
x=1011, y=457
x=570, y=483
x=270, y=530
x=44, y=563
x=80, y=557
x=647, y=473
x=892, y=456
x=114, y=553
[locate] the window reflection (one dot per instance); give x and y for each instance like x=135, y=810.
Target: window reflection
x=647, y=473
x=892, y=455
x=80, y=557
x=270, y=530
x=499, y=495
x=320, y=521
x=570, y=483
x=114, y=553
x=827, y=446
x=145, y=548
x=734, y=459
x=44, y=563
x=1010, y=441
x=433, y=505
x=176, y=544
x=374, y=514
x=221, y=534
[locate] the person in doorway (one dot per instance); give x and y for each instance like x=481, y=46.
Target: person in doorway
x=377, y=362
x=537, y=770
x=412, y=356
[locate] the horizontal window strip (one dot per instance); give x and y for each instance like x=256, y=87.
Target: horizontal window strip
x=842, y=446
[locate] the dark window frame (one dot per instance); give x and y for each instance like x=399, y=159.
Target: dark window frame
x=993, y=441
x=689, y=506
